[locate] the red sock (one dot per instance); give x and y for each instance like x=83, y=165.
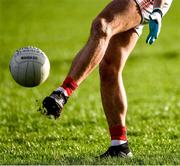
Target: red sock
x=69, y=85
x=118, y=133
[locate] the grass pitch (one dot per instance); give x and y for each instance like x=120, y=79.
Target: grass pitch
x=60, y=28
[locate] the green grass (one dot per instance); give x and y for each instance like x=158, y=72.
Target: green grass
x=60, y=28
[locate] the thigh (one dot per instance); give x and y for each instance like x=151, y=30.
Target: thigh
x=119, y=49
x=121, y=15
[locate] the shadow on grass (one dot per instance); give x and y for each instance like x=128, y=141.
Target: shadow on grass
x=90, y=159
x=171, y=55
x=93, y=160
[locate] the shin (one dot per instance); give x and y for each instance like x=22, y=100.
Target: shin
x=112, y=89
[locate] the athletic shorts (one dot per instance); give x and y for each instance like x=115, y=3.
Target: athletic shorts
x=146, y=8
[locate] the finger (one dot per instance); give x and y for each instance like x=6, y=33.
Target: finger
x=149, y=39
x=152, y=40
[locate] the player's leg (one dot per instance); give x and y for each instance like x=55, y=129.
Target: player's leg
x=118, y=16
x=112, y=90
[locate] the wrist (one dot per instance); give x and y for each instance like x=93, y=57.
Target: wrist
x=156, y=15
x=158, y=10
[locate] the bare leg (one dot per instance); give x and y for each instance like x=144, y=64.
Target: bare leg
x=118, y=16
x=112, y=89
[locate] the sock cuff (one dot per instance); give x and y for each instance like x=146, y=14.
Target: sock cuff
x=69, y=85
x=118, y=133
x=71, y=82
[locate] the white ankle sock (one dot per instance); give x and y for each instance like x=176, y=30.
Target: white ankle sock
x=117, y=142
x=62, y=90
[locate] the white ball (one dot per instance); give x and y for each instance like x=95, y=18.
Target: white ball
x=29, y=66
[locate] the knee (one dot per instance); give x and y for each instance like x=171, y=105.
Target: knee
x=108, y=72
x=100, y=28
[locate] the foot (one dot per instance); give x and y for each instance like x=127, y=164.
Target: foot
x=54, y=103
x=117, y=151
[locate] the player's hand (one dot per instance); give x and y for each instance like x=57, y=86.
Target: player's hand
x=154, y=25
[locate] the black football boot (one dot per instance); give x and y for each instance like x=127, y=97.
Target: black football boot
x=54, y=103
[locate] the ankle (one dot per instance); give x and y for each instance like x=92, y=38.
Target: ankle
x=117, y=142
x=118, y=135
x=62, y=90
x=69, y=85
